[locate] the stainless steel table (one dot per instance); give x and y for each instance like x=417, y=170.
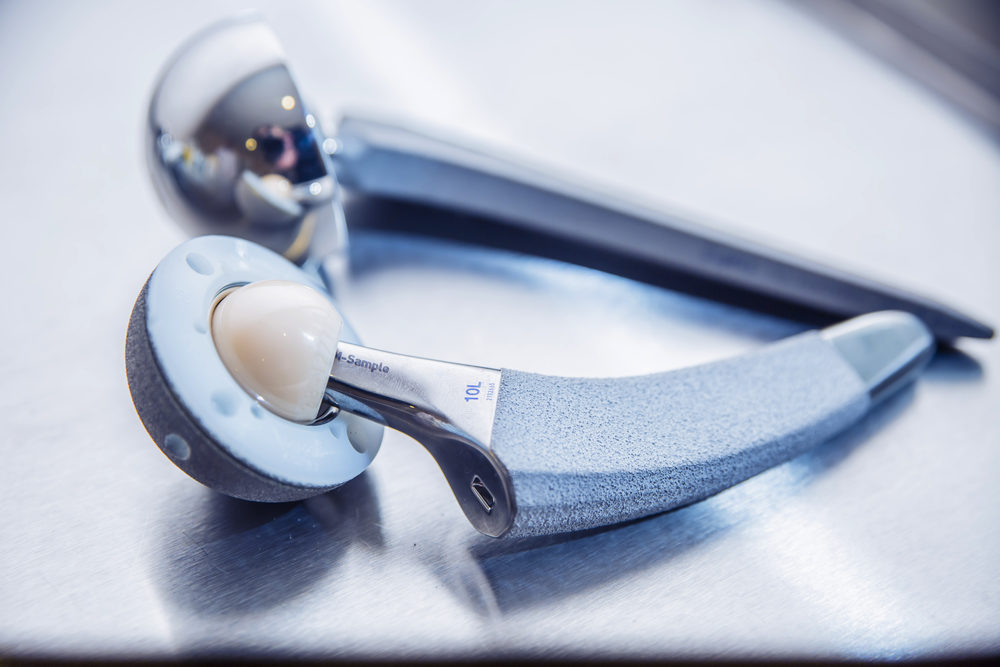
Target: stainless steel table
x=884, y=542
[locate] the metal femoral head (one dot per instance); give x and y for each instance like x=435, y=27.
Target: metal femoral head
x=233, y=149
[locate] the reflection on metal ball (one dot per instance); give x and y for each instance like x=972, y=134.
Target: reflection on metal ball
x=232, y=148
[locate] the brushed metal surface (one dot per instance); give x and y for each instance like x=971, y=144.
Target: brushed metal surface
x=884, y=542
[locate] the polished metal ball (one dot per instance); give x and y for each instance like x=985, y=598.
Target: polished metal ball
x=232, y=148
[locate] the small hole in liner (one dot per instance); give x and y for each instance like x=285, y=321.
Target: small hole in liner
x=224, y=402
x=200, y=264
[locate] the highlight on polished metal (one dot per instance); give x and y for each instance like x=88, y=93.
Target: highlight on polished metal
x=447, y=407
x=233, y=148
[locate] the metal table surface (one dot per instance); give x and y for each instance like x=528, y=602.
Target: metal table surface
x=884, y=542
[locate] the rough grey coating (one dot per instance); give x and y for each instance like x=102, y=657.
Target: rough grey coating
x=589, y=452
